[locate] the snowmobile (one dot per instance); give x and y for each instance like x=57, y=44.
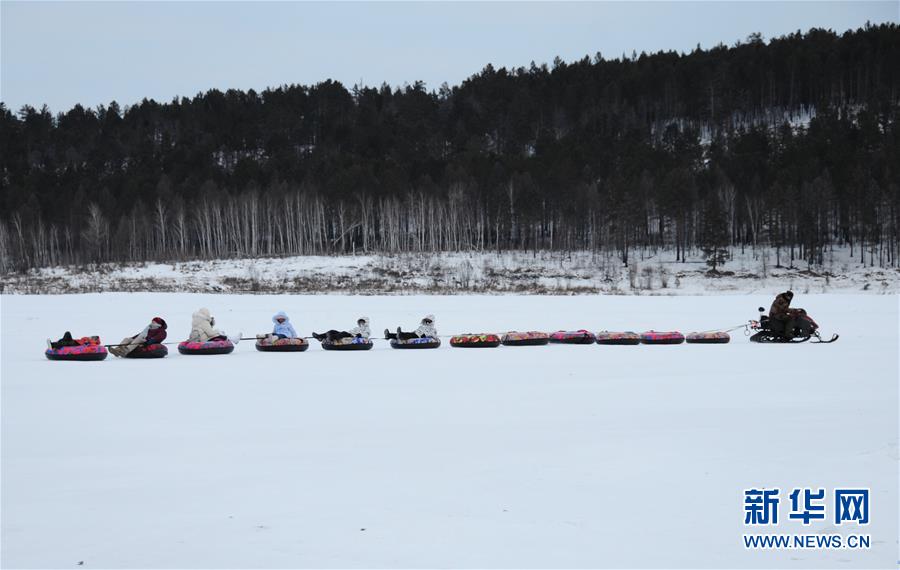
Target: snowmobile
x=772, y=330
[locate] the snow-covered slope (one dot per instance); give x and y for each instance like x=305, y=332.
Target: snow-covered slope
x=556, y=456
x=454, y=273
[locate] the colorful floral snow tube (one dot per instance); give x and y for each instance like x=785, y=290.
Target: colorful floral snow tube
x=88, y=350
x=149, y=351
x=573, y=337
x=275, y=344
x=714, y=337
x=531, y=338
x=208, y=347
x=352, y=343
x=656, y=337
x=469, y=340
x=422, y=342
x=618, y=338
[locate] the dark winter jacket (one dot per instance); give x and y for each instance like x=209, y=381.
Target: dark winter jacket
x=781, y=307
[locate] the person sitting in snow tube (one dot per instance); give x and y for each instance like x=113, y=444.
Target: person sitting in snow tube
x=66, y=340
x=83, y=349
x=145, y=344
x=425, y=336
x=203, y=327
x=361, y=330
x=356, y=338
x=283, y=337
x=283, y=327
x=204, y=337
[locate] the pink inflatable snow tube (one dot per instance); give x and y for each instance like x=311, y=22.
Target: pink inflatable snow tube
x=208, y=347
x=80, y=353
x=573, y=337
x=715, y=337
x=618, y=338
x=656, y=337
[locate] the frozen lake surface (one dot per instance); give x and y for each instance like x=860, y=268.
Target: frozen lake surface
x=556, y=456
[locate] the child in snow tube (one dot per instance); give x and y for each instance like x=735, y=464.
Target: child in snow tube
x=67, y=340
x=82, y=349
x=426, y=328
x=282, y=329
x=361, y=330
x=283, y=337
x=203, y=327
x=152, y=336
x=425, y=336
x=205, y=338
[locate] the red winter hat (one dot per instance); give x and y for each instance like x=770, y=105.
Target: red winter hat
x=160, y=322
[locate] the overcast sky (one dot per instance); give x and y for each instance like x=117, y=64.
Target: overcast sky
x=63, y=53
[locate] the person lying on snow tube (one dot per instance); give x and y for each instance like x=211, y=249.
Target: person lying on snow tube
x=361, y=330
x=282, y=329
x=426, y=328
x=67, y=340
x=203, y=327
x=154, y=333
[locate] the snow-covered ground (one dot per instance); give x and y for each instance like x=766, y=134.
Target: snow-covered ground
x=556, y=456
x=648, y=273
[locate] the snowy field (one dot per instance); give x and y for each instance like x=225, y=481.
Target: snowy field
x=649, y=272
x=556, y=456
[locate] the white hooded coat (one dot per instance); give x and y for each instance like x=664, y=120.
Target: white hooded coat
x=361, y=329
x=427, y=329
x=201, y=327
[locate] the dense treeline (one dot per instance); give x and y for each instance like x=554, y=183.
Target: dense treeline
x=792, y=143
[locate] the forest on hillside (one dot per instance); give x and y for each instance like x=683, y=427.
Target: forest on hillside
x=792, y=143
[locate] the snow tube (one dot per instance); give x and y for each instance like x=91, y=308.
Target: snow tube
x=618, y=338
x=655, y=337
x=531, y=338
x=208, y=347
x=423, y=342
x=354, y=343
x=469, y=340
x=89, y=350
x=573, y=337
x=708, y=338
x=148, y=351
x=269, y=344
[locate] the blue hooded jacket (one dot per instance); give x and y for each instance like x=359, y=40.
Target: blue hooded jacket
x=285, y=328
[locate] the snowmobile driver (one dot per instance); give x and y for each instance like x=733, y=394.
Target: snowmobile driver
x=781, y=312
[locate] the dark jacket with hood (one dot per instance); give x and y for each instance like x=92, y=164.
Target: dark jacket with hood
x=781, y=307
